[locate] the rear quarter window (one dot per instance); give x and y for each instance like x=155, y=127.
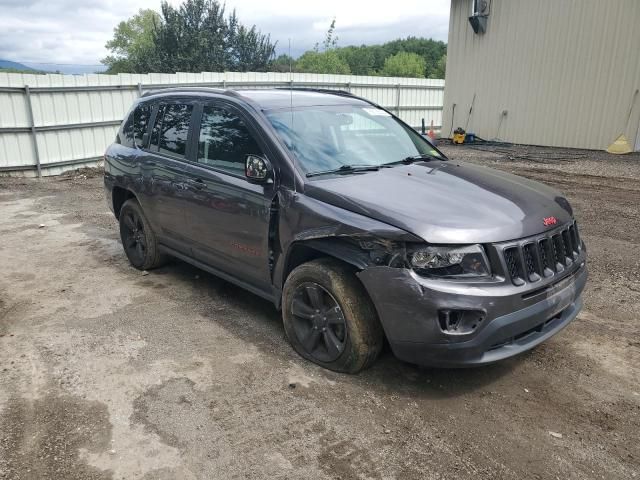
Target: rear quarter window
x=141, y=117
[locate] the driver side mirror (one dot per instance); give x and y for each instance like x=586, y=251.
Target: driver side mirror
x=257, y=169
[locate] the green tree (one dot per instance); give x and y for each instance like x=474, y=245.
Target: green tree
x=251, y=50
x=404, y=64
x=430, y=50
x=198, y=37
x=330, y=39
x=194, y=37
x=370, y=59
x=440, y=68
x=132, y=43
x=282, y=64
x=322, y=62
x=361, y=60
x=326, y=60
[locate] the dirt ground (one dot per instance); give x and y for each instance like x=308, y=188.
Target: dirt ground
x=109, y=373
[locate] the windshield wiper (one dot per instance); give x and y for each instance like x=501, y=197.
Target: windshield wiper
x=412, y=159
x=346, y=169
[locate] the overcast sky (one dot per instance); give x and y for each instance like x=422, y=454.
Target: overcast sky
x=75, y=31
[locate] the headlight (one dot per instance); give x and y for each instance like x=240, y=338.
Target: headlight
x=453, y=261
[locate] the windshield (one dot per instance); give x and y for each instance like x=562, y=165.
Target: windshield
x=326, y=138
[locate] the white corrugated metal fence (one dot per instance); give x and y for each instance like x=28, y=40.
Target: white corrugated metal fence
x=49, y=123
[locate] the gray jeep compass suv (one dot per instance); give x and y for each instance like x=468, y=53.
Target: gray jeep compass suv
x=349, y=221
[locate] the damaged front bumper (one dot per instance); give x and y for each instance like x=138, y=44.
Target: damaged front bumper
x=508, y=320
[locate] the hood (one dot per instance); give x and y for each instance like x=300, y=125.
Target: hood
x=447, y=202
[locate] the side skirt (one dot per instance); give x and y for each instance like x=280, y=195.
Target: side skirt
x=272, y=297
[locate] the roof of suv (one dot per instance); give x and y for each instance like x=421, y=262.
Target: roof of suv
x=273, y=98
x=283, y=98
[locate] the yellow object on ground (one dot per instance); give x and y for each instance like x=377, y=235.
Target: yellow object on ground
x=459, y=138
x=620, y=146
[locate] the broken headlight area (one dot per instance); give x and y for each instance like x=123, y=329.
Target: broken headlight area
x=385, y=252
x=454, y=261
x=444, y=261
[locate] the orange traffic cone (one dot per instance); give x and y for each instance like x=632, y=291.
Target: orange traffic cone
x=432, y=134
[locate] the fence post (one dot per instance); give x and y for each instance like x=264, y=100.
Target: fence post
x=139, y=89
x=32, y=126
x=398, y=101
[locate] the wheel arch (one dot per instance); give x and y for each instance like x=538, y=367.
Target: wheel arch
x=119, y=195
x=304, y=251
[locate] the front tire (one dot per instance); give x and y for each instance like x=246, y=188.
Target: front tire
x=329, y=317
x=138, y=239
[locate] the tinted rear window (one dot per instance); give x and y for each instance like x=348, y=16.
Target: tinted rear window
x=172, y=129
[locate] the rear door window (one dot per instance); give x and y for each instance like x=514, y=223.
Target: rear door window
x=136, y=126
x=225, y=140
x=171, y=130
x=155, y=133
x=125, y=137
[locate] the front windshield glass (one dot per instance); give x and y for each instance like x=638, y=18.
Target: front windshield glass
x=325, y=138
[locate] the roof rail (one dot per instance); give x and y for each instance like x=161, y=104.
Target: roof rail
x=169, y=89
x=342, y=93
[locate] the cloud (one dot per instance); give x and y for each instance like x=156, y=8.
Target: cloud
x=75, y=31
x=63, y=31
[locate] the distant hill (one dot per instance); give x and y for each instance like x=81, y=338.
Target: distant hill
x=68, y=68
x=9, y=65
x=64, y=68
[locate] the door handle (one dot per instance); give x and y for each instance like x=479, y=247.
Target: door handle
x=197, y=183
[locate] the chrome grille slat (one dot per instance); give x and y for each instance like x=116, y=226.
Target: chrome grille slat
x=542, y=256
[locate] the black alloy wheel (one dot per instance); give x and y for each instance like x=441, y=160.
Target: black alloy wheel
x=138, y=238
x=318, y=322
x=329, y=318
x=134, y=238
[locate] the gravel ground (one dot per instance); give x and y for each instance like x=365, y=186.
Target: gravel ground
x=109, y=373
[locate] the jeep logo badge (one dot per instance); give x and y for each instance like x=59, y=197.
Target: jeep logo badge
x=548, y=221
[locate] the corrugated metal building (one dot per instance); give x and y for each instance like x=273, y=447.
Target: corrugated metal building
x=545, y=72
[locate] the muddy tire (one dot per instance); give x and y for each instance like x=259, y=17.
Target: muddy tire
x=329, y=317
x=138, y=240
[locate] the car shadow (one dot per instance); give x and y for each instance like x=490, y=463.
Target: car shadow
x=257, y=321
x=229, y=305
x=414, y=380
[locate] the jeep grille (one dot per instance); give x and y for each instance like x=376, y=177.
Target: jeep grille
x=542, y=256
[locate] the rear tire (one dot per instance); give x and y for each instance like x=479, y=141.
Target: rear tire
x=138, y=239
x=329, y=317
